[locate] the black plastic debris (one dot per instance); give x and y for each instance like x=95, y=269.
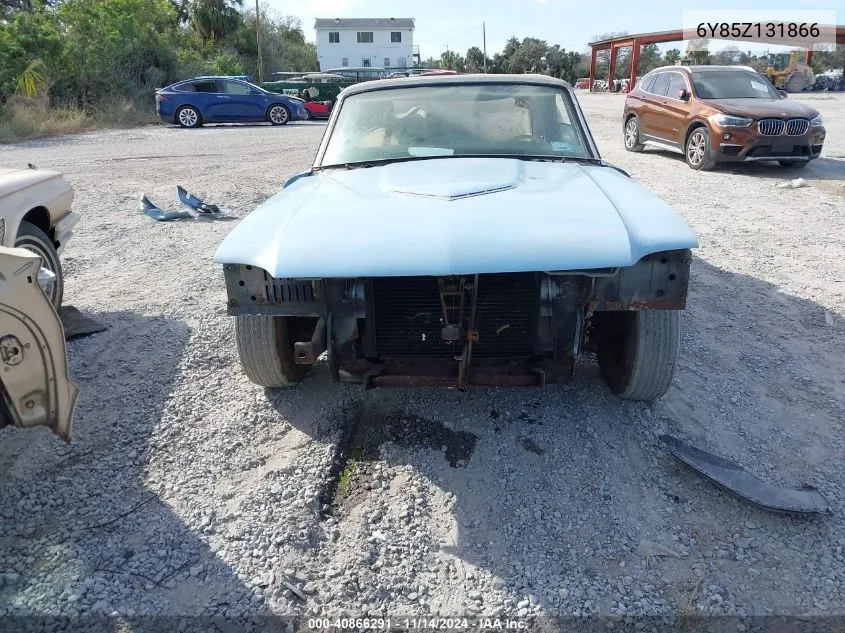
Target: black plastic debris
x=199, y=209
x=195, y=203
x=76, y=324
x=734, y=478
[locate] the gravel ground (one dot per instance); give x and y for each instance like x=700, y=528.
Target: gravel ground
x=190, y=491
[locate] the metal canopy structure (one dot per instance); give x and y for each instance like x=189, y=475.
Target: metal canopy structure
x=635, y=42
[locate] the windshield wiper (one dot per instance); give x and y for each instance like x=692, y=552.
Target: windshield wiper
x=534, y=157
x=375, y=162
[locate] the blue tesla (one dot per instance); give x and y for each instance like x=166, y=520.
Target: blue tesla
x=192, y=102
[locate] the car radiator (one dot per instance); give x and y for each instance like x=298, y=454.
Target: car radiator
x=408, y=317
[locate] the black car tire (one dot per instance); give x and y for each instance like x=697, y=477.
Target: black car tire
x=794, y=164
x=697, y=149
x=631, y=135
x=278, y=114
x=265, y=348
x=188, y=116
x=638, y=351
x=34, y=239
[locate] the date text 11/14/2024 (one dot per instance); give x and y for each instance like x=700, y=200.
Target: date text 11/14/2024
x=417, y=623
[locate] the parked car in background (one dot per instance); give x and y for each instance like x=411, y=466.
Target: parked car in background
x=36, y=387
x=35, y=213
x=477, y=238
x=193, y=102
x=715, y=114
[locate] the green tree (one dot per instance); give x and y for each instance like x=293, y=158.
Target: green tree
x=450, y=60
x=25, y=38
x=213, y=20
x=117, y=46
x=649, y=59
x=475, y=60
x=672, y=55
x=283, y=44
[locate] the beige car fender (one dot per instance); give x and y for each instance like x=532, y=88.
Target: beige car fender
x=36, y=389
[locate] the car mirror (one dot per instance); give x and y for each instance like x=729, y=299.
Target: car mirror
x=683, y=94
x=783, y=94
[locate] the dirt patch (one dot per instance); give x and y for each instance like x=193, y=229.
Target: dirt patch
x=366, y=429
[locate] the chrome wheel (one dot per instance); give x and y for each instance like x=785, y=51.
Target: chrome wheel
x=631, y=133
x=278, y=115
x=49, y=275
x=696, y=148
x=188, y=117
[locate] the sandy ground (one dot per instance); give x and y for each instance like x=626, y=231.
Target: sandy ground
x=190, y=491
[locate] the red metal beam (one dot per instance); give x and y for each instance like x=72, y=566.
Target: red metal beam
x=635, y=62
x=592, y=68
x=611, y=71
x=827, y=31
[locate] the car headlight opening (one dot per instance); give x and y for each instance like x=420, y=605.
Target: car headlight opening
x=728, y=120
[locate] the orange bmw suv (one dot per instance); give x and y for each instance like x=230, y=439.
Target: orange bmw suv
x=720, y=114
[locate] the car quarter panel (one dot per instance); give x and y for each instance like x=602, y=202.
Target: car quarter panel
x=452, y=217
x=28, y=189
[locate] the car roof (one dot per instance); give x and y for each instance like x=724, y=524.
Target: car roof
x=702, y=68
x=456, y=80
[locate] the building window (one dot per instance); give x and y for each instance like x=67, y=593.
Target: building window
x=344, y=61
x=387, y=62
x=396, y=37
x=365, y=37
x=334, y=37
x=365, y=62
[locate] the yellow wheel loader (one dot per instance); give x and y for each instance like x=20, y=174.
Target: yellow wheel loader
x=789, y=71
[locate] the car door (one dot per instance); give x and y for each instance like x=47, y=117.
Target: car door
x=36, y=390
x=674, y=120
x=653, y=95
x=206, y=98
x=241, y=103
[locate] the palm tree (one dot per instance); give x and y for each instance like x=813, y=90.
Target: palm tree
x=215, y=19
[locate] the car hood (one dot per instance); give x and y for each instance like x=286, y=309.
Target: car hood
x=452, y=216
x=761, y=108
x=12, y=179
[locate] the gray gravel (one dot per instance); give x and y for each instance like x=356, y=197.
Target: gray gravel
x=190, y=491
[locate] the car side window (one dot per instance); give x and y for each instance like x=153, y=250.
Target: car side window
x=648, y=83
x=236, y=88
x=205, y=86
x=661, y=84
x=186, y=87
x=676, y=84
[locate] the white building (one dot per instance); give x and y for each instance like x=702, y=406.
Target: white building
x=365, y=42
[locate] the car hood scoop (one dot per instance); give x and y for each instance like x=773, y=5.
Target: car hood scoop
x=427, y=179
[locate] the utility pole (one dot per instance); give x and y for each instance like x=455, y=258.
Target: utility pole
x=484, y=39
x=258, y=43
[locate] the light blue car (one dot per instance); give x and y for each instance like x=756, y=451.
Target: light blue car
x=457, y=231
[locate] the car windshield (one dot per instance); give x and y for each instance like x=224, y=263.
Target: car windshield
x=731, y=84
x=456, y=120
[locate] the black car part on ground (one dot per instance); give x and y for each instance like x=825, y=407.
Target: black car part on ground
x=195, y=203
x=734, y=478
x=201, y=208
x=151, y=210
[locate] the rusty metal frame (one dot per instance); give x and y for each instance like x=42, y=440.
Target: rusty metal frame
x=658, y=281
x=419, y=372
x=307, y=352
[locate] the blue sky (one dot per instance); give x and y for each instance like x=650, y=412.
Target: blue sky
x=570, y=23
